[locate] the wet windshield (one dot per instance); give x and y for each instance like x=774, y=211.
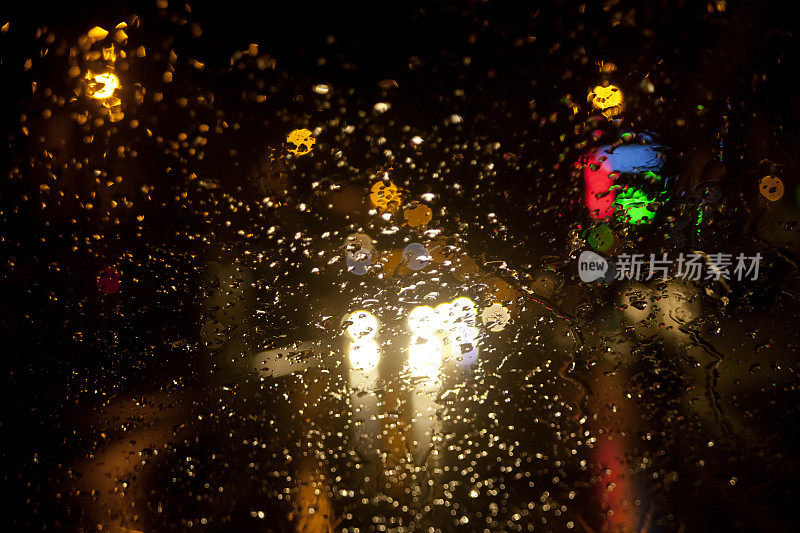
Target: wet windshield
x=472, y=266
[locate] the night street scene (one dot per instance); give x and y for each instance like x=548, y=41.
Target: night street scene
x=400, y=266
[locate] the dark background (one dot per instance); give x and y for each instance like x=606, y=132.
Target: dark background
x=725, y=99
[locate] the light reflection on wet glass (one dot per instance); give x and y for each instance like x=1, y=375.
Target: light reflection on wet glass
x=303, y=272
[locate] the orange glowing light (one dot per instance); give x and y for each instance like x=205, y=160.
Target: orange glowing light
x=301, y=140
x=97, y=33
x=110, y=54
x=771, y=188
x=496, y=317
x=102, y=86
x=385, y=196
x=607, y=99
x=418, y=215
